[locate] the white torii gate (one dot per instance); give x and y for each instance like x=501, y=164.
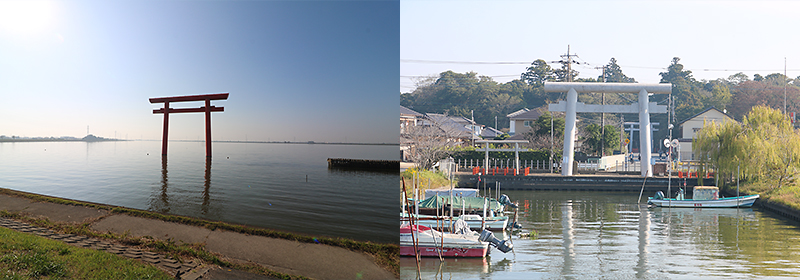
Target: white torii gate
x=572, y=106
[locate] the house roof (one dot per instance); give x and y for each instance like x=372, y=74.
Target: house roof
x=456, y=125
x=441, y=118
x=409, y=112
x=529, y=114
x=490, y=132
x=703, y=112
x=520, y=111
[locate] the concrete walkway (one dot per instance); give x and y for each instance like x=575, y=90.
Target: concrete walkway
x=315, y=261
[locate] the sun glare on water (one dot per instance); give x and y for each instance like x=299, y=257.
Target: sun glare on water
x=25, y=17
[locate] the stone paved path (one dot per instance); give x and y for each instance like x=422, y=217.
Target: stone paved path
x=315, y=261
x=168, y=264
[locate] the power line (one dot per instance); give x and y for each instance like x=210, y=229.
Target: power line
x=460, y=62
x=586, y=63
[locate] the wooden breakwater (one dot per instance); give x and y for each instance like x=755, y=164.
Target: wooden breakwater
x=364, y=164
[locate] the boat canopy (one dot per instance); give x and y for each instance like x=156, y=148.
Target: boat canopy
x=467, y=202
x=705, y=193
x=456, y=192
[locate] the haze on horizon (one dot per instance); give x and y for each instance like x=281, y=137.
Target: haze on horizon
x=296, y=71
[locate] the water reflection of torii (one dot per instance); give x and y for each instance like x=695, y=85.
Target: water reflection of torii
x=164, y=197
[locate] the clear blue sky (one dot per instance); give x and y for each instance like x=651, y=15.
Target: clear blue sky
x=709, y=36
x=305, y=70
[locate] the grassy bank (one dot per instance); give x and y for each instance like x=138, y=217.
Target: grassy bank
x=788, y=195
x=27, y=256
x=427, y=180
x=386, y=255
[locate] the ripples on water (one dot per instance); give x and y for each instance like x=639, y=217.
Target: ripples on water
x=589, y=235
x=263, y=185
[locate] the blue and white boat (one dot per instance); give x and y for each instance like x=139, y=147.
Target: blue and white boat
x=703, y=197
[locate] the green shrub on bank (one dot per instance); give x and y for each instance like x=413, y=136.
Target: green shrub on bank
x=427, y=180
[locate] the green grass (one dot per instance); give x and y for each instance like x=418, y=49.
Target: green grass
x=788, y=195
x=27, y=256
x=427, y=180
x=386, y=255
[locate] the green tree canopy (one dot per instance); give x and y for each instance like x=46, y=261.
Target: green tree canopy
x=613, y=73
x=593, y=139
x=460, y=94
x=765, y=146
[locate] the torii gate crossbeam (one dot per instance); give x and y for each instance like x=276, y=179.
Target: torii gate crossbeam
x=186, y=98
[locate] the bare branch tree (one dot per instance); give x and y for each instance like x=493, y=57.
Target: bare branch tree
x=430, y=143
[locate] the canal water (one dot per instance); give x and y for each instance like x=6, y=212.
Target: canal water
x=592, y=235
x=286, y=187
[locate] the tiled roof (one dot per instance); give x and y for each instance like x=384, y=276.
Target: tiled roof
x=529, y=115
x=703, y=112
x=409, y=112
x=520, y=111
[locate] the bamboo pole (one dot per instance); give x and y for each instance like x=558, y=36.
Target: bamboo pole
x=411, y=222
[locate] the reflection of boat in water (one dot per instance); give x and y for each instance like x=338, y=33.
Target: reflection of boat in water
x=746, y=213
x=449, y=268
x=703, y=197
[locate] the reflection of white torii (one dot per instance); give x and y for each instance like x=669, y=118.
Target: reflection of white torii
x=572, y=106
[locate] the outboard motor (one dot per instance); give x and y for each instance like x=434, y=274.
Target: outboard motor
x=488, y=236
x=506, y=201
x=659, y=195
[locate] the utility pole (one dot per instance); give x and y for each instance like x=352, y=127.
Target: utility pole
x=568, y=58
x=622, y=134
x=603, y=118
x=472, y=113
x=551, y=142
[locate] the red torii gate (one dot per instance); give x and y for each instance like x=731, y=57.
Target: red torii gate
x=205, y=109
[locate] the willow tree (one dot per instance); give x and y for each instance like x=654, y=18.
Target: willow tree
x=721, y=145
x=765, y=146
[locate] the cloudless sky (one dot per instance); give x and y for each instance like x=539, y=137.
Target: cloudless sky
x=295, y=70
x=708, y=36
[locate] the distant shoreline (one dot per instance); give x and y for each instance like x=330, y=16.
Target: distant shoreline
x=7, y=140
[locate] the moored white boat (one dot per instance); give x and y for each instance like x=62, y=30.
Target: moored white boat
x=474, y=221
x=704, y=197
x=431, y=242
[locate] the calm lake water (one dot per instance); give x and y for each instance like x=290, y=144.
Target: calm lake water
x=279, y=186
x=591, y=235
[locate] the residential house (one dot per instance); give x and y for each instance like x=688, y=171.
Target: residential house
x=522, y=120
x=690, y=126
x=457, y=127
x=409, y=118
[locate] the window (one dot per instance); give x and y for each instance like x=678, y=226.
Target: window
x=526, y=123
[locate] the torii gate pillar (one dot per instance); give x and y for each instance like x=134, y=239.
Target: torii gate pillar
x=572, y=106
x=205, y=109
